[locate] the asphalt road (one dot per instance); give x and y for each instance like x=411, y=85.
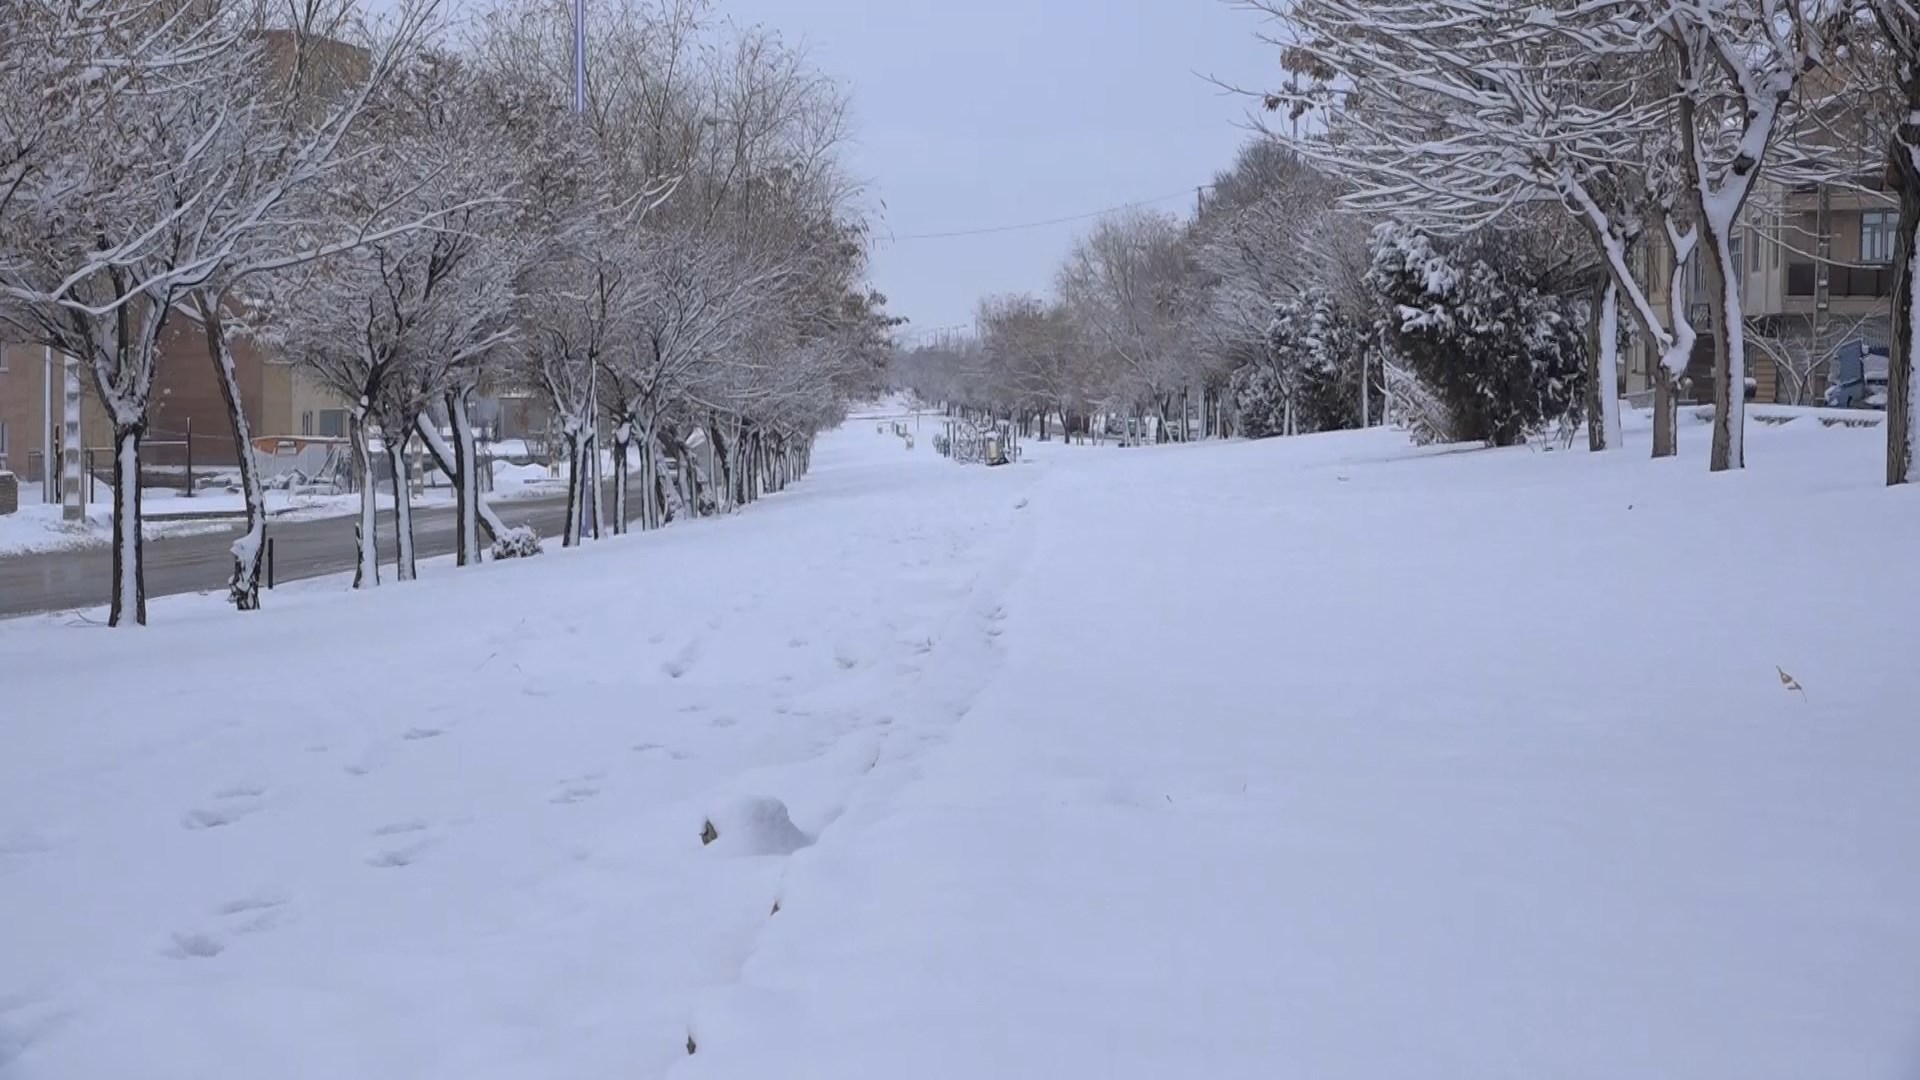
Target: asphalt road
x=59, y=580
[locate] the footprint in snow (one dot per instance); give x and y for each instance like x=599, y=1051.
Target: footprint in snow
x=194, y=946
x=400, y=828
x=415, y=734
x=249, y=904
x=250, y=915
x=683, y=660
x=229, y=806
x=575, y=793
x=394, y=858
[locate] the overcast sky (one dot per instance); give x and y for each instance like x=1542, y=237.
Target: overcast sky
x=980, y=113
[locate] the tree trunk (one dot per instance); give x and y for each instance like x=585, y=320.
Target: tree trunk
x=1666, y=413
x=366, y=571
x=723, y=483
x=403, y=564
x=577, y=489
x=129, y=570
x=1903, y=389
x=465, y=476
x=737, y=464
x=682, y=487
x=596, y=493
x=446, y=460
x=1729, y=350
x=1608, y=374
x=622, y=441
x=243, y=587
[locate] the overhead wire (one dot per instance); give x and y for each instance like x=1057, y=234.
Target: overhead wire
x=988, y=230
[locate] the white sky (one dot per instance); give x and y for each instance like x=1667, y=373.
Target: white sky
x=979, y=113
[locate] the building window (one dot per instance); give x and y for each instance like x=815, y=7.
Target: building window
x=333, y=423
x=1876, y=235
x=3, y=446
x=1758, y=247
x=306, y=422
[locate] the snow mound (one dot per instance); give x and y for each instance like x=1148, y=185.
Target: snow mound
x=519, y=542
x=753, y=826
x=508, y=473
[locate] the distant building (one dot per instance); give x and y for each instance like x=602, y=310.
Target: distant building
x=278, y=398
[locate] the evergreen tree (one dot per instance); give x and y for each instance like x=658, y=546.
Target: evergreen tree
x=1506, y=355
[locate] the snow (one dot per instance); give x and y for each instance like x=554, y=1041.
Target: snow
x=38, y=527
x=510, y=480
x=1324, y=757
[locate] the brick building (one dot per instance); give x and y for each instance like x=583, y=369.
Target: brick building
x=278, y=400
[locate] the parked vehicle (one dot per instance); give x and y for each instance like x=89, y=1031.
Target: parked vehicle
x=1859, y=379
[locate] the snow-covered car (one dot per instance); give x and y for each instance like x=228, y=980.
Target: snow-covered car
x=1859, y=382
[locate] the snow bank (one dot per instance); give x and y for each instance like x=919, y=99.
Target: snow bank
x=752, y=826
x=38, y=527
x=506, y=474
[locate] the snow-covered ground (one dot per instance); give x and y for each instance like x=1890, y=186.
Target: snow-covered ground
x=1324, y=757
x=37, y=527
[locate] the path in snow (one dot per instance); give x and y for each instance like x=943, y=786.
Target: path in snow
x=453, y=829
x=1321, y=757
x=1320, y=760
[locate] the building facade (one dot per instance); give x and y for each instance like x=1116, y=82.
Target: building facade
x=187, y=411
x=1816, y=274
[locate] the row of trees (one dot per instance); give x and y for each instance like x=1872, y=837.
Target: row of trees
x=1279, y=314
x=1487, y=201
x=1641, y=123
x=414, y=216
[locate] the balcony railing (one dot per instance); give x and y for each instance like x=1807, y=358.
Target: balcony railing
x=1844, y=282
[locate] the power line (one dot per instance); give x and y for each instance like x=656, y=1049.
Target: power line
x=1181, y=194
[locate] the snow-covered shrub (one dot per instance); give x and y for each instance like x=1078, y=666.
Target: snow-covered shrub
x=1417, y=410
x=519, y=542
x=1259, y=396
x=1316, y=351
x=1506, y=358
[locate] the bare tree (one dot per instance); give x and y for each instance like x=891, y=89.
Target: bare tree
x=394, y=324
x=1458, y=116
x=107, y=199
x=1735, y=66
x=1895, y=58
x=296, y=109
x=1801, y=362
x=1127, y=281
